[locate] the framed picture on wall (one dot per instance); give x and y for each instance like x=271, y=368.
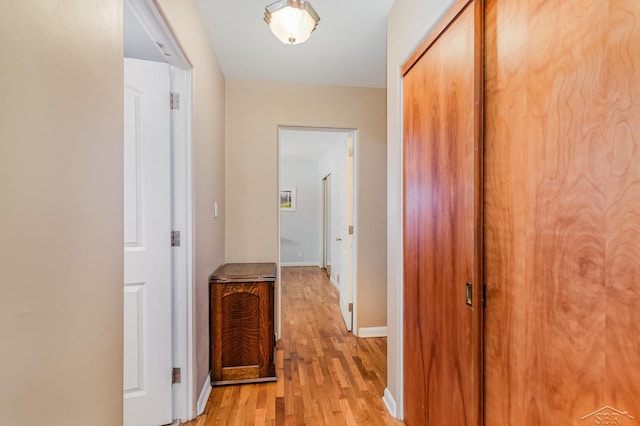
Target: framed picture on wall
x=288, y=199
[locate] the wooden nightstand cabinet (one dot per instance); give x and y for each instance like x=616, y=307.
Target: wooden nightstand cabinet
x=242, y=323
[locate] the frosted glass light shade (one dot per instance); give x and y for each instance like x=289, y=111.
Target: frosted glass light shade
x=291, y=21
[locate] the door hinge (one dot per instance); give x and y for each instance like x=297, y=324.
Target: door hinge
x=350, y=229
x=175, y=375
x=350, y=307
x=174, y=100
x=350, y=152
x=175, y=238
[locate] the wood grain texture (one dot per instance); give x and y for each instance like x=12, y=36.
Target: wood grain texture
x=245, y=272
x=240, y=328
x=326, y=376
x=242, y=324
x=562, y=203
x=442, y=226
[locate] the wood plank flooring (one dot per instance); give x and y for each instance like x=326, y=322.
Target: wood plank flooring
x=326, y=376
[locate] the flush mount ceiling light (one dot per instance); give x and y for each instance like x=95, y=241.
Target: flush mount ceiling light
x=292, y=21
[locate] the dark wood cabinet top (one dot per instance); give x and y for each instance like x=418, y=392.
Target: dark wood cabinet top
x=244, y=272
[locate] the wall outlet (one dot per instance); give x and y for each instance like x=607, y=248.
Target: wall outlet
x=299, y=253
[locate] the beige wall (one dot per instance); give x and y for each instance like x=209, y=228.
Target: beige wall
x=254, y=110
x=61, y=221
x=207, y=168
x=408, y=23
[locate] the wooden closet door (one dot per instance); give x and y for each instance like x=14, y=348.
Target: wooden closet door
x=442, y=223
x=562, y=212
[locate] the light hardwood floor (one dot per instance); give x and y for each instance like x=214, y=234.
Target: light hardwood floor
x=326, y=376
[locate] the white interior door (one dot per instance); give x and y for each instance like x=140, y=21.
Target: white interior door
x=345, y=239
x=147, y=248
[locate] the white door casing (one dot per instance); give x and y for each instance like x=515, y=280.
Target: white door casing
x=147, y=251
x=345, y=239
x=326, y=222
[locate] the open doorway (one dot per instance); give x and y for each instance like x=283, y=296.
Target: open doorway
x=317, y=227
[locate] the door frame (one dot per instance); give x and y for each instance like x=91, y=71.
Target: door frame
x=156, y=28
x=354, y=248
x=326, y=214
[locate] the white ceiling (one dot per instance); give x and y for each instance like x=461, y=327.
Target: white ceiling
x=347, y=49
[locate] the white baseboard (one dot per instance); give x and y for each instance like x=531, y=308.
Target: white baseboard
x=372, y=332
x=204, y=395
x=390, y=403
x=300, y=264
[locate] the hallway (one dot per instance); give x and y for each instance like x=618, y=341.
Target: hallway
x=326, y=376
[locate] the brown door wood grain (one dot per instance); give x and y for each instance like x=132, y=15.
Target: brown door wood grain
x=442, y=223
x=562, y=212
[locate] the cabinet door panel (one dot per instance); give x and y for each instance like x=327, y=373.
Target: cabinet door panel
x=242, y=339
x=240, y=329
